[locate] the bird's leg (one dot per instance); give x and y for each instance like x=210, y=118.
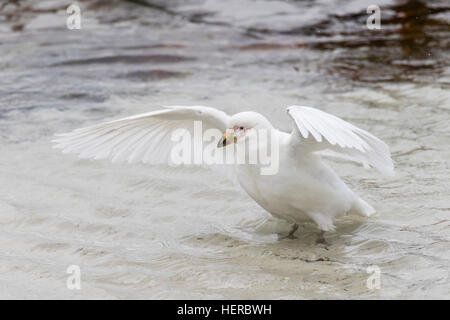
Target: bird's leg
x=291, y=233
x=321, y=238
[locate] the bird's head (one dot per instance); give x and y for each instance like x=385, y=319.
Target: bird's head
x=242, y=126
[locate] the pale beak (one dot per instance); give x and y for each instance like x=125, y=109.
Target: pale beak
x=227, y=138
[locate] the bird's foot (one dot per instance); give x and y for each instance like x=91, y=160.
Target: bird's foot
x=291, y=233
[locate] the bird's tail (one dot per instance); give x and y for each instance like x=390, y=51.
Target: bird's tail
x=362, y=208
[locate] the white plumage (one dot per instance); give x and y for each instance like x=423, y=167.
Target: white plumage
x=303, y=189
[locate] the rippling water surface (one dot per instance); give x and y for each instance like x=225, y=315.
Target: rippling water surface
x=139, y=231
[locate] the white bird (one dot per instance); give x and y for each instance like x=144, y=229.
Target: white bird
x=303, y=189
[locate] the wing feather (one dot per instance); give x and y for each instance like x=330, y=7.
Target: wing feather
x=145, y=137
x=333, y=136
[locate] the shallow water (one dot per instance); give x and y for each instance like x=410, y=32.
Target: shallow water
x=139, y=231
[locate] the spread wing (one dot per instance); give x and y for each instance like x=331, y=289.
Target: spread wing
x=145, y=137
x=321, y=132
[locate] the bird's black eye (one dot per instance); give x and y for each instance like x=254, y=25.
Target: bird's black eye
x=242, y=128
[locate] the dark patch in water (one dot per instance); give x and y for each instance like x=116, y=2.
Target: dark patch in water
x=196, y=17
x=156, y=46
x=411, y=43
x=82, y=96
x=270, y=46
x=17, y=27
x=154, y=6
x=153, y=75
x=128, y=59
